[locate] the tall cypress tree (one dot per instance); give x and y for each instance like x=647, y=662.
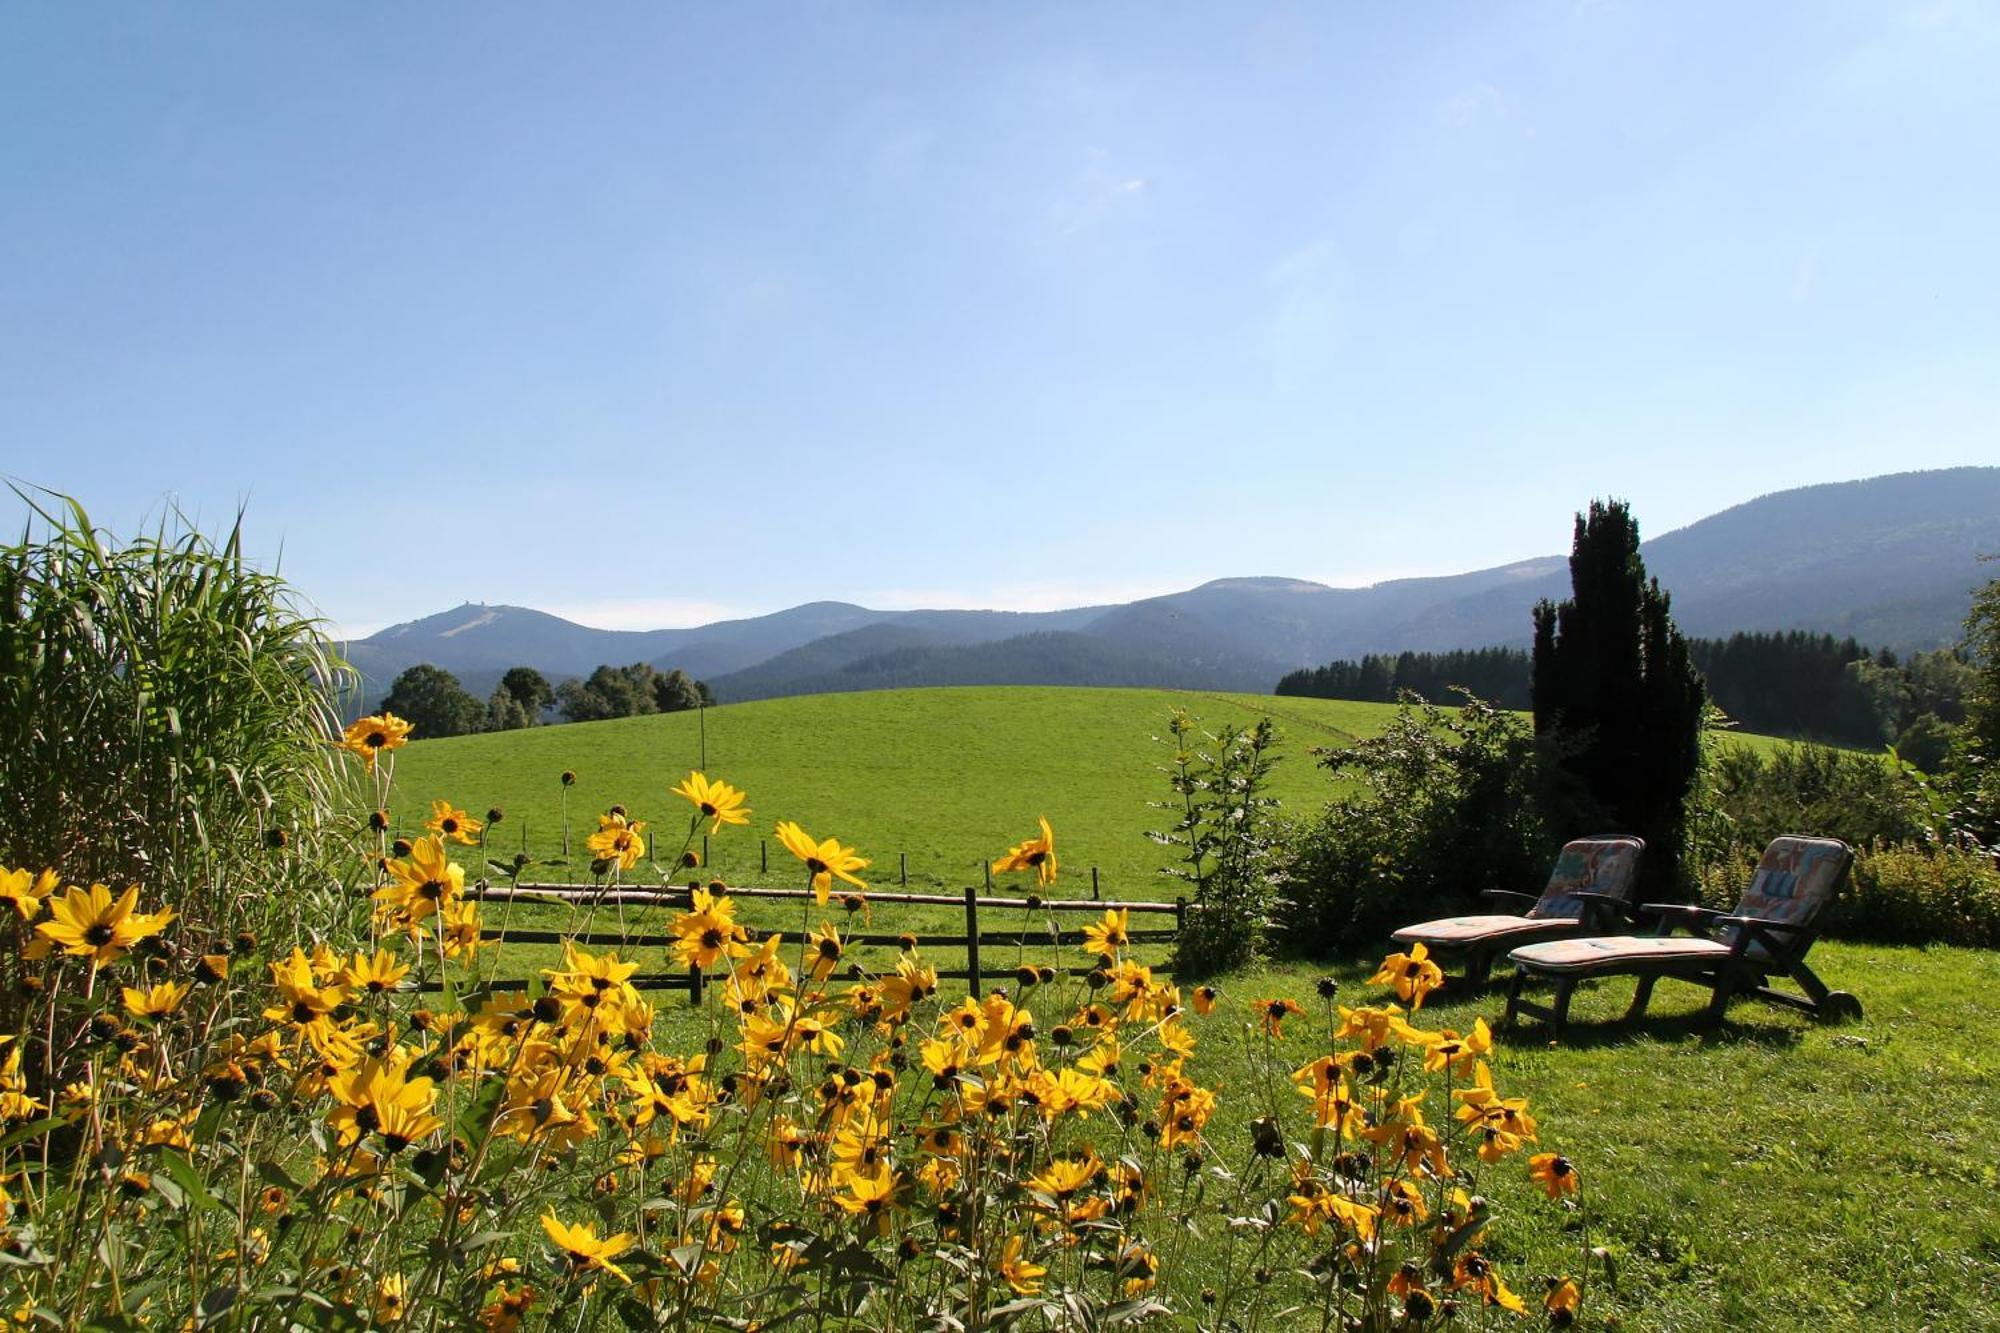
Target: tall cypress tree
x=1618, y=698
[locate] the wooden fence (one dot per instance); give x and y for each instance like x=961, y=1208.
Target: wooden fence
x=679, y=899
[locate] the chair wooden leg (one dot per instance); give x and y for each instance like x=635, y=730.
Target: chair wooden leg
x=1725, y=986
x=1559, y=1011
x=1514, y=989
x=1478, y=969
x=1641, y=997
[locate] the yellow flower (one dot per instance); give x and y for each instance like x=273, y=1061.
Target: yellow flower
x=618, y=840
x=717, y=802
x=585, y=1252
x=1553, y=1172
x=1020, y=1274
x=708, y=932
x=89, y=924
x=1476, y=1273
x=373, y=734
x=1204, y=999
x=1413, y=975
x=155, y=1002
x=448, y=821
x=1447, y=1050
x=1103, y=939
x=823, y=950
x=24, y=892
x=374, y=975
x=1274, y=1013
x=870, y=1198
x=423, y=883
x=1562, y=1302
x=1036, y=854
x=1066, y=1177
x=823, y=860
x=390, y=1299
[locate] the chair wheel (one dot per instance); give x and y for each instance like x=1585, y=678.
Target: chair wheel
x=1839, y=1007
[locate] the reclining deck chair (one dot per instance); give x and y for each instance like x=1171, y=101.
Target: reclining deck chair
x=1732, y=953
x=1590, y=890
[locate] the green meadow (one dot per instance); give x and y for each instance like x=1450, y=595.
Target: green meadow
x=1776, y=1173
x=948, y=778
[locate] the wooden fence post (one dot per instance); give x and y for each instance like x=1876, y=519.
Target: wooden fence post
x=694, y=985
x=1093, y=883
x=972, y=939
x=903, y=870
x=763, y=857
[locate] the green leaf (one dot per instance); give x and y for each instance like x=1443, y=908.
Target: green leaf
x=181, y=1171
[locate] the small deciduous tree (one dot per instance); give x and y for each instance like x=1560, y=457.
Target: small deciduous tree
x=432, y=699
x=1616, y=692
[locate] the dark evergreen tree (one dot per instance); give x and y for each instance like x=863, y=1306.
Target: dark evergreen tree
x=1617, y=699
x=432, y=699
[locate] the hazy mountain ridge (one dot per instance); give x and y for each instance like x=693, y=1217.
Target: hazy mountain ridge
x=1891, y=560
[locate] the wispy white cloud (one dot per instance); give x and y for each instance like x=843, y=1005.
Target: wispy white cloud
x=1480, y=102
x=1097, y=190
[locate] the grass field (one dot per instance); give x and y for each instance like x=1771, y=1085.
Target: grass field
x=1774, y=1174
x=947, y=777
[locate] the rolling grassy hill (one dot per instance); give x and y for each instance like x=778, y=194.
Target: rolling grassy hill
x=946, y=776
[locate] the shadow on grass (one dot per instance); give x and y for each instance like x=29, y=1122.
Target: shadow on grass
x=1748, y=1023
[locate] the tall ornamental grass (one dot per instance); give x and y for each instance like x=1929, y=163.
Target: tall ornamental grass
x=165, y=712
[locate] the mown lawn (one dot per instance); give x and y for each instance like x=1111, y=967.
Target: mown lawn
x=1776, y=1173
x=945, y=776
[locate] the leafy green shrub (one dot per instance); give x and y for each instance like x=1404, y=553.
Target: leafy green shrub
x=1226, y=836
x=1444, y=810
x=165, y=718
x=1860, y=798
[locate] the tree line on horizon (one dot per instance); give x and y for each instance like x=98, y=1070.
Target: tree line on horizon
x=1791, y=683
x=438, y=704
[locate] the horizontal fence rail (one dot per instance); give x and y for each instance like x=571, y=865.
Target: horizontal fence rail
x=680, y=897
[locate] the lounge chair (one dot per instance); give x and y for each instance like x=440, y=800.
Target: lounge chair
x=1590, y=891
x=1731, y=953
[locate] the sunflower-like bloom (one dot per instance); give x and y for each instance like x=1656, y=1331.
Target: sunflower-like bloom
x=1553, y=1172
x=1475, y=1272
x=717, y=802
x=1413, y=975
x=1014, y=1267
x=1561, y=1303
x=376, y=1095
x=583, y=1250
x=375, y=975
x=24, y=892
x=618, y=840
x=448, y=821
x=1104, y=939
x=423, y=883
x=1448, y=1050
x=871, y=1198
x=1204, y=999
x=156, y=1001
x=1064, y=1178
x=1273, y=1013
x=823, y=860
x=823, y=950
x=1036, y=855
x=374, y=734
x=90, y=924
x=708, y=932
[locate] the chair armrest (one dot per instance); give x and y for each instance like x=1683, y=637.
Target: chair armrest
x=1697, y=919
x=1759, y=928
x=1603, y=904
x=1498, y=895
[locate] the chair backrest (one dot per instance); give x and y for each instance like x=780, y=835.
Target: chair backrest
x=1796, y=878
x=1606, y=865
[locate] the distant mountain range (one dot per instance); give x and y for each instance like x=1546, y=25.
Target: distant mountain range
x=1891, y=560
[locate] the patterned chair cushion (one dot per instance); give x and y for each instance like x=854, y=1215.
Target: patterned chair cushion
x=1796, y=878
x=1594, y=865
x=1613, y=952
x=1462, y=930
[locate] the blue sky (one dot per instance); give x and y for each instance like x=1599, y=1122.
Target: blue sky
x=651, y=314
